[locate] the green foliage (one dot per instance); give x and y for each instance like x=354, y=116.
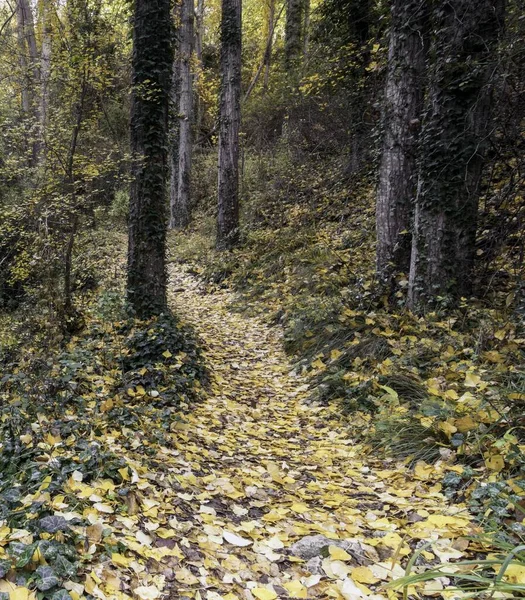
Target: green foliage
x=56, y=417
x=57, y=167
x=501, y=573
x=119, y=209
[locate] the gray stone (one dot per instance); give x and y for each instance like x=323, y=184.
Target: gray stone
x=312, y=546
x=314, y=565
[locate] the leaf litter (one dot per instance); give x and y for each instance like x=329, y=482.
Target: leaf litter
x=256, y=492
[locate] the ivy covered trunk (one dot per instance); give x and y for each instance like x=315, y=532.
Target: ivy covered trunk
x=453, y=139
x=230, y=121
x=403, y=103
x=151, y=81
x=294, y=34
x=180, y=208
x=174, y=121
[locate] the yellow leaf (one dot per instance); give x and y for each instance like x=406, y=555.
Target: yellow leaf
x=275, y=472
x=495, y=462
x=20, y=593
x=443, y=521
x=107, y=405
x=103, y=508
x=447, y=428
x=423, y=471
x=338, y=553
x=515, y=574
x=299, y=507
x=472, y=380
x=335, y=354
x=147, y=592
x=89, y=584
x=493, y=356
x=167, y=354
x=120, y=560
x=319, y=364
x=363, y=575
x=465, y=424
x=264, y=594
x=186, y=576
x=426, y=421
x=296, y=589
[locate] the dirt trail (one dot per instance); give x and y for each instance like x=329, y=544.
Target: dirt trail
x=265, y=469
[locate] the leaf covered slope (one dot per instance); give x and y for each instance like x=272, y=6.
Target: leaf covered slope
x=255, y=493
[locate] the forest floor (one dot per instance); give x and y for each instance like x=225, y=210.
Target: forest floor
x=116, y=486
x=261, y=469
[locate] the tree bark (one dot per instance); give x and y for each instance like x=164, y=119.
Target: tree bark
x=28, y=59
x=181, y=210
x=151, y=81
x=403, y=103
x=230, y=121
x=455, y=130
x=306, y=27
x=174, y=120
x=266, y=62
x=268, y=51
x=294, y=30
x=199, y=37
x=45, y=73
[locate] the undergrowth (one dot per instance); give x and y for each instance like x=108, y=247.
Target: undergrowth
x=448, y=387
x=70, y=414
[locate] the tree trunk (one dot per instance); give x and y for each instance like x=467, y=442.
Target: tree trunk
x=403, y=103
x=230, y=120
x=270, y=24
x=294, y=30
x=23, y=59
x=266, y=62
x=306, y=27
x=28, y=60
x=199, y=37
x=174, y=121
x=45, y=73
x=453, y=139
x=181, y=211
x=151, y=81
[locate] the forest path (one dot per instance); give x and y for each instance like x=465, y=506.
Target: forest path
x=266, y=469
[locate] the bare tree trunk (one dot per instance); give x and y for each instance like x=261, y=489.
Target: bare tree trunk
x=403, y=103
x=455, y=130
x=45, y=73
x=151, y=80
x=270, y=4
x=181, y=210
x=266, y=59
x=23, y=59
x=230, y=121
x=28, y=59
